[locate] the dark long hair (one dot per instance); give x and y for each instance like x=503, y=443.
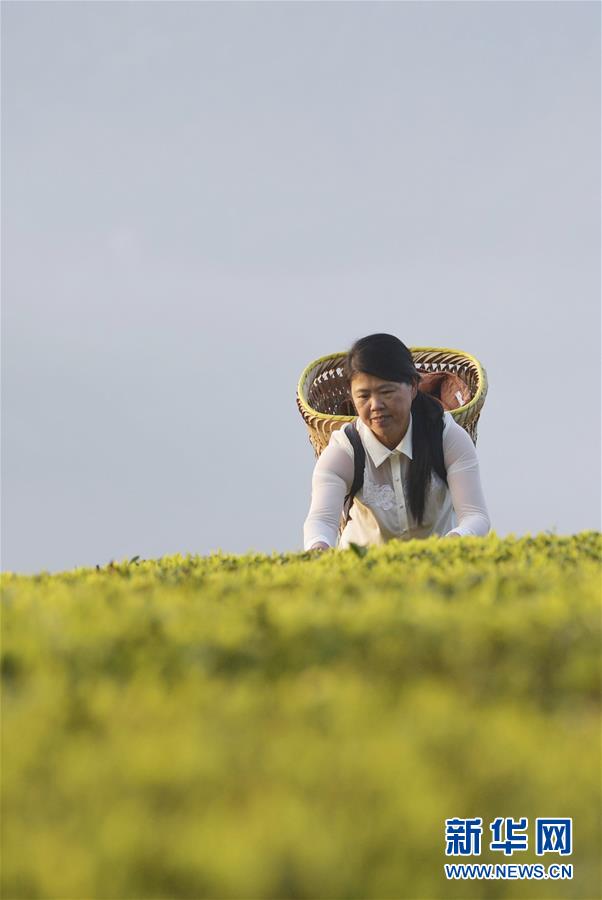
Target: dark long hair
x=386, y=357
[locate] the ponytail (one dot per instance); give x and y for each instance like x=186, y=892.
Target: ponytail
x=427, y=450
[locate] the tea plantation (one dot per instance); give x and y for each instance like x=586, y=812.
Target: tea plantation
x=301, y=725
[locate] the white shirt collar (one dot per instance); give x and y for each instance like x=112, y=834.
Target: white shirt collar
x=378, y=452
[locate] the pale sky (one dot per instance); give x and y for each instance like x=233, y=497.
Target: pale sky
x=198, y=199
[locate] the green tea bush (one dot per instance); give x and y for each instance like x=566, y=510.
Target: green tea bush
x=300, y=725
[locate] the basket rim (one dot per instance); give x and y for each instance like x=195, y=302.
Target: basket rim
x=460, y=410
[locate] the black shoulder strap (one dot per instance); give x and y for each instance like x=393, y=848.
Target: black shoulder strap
x=359, y=456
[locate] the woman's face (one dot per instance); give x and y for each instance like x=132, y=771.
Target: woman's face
x=384, y=406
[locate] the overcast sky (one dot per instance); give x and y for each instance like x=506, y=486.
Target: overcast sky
x=198, y=199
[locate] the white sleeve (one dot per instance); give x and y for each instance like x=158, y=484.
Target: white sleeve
x=331, y=482
x=464, y=481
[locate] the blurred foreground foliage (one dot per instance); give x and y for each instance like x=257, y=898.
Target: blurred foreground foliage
x=297, y=725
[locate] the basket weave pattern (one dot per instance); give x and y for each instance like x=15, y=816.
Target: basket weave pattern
x=325, y=404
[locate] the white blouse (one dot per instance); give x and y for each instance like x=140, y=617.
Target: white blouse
x=380, y=510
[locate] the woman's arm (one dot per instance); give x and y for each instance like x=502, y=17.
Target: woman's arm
x=464, y=482
x=331, y=482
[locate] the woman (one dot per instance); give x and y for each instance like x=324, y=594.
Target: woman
x=403, y=431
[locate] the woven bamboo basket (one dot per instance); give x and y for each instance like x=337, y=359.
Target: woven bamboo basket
x=325, y=404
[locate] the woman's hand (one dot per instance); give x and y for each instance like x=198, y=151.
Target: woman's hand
x=320, y=545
